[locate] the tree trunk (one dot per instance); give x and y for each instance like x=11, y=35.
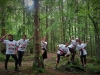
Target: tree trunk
x=23, y=27
x=3, y=31
x=47, y=25
x=97, y=37
x=38, y=61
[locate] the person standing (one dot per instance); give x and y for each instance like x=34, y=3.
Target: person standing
x=72, y=48
x=22, y=44
x=11, y=46
x=63, y=50
x=82, y=52
x=44, y=48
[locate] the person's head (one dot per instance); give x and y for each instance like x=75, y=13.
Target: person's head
x=80, y=42
x=44, y=38
x=72, y=37
x=66, y=44
x=24, y=37
x=77, y=39
x=10, y=37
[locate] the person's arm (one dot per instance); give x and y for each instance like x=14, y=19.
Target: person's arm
x=31, y=38
x=44, y=42
x=71, y=38
x=16, y=49
x=4, y=36
x=2, y=39
x=68, y=52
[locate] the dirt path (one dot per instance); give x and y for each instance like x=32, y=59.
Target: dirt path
x=26, y=68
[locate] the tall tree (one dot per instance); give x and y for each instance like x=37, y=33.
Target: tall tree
x=94, y=18
x=38, y=62
x=23, y=27
x=2, y=19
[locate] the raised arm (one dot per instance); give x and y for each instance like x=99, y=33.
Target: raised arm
x=31, y=38
x=3, y=37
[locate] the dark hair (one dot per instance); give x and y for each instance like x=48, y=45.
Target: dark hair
x=24, y=35
x=11, y=35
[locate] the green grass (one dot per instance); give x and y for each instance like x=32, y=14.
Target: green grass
x=93, y=69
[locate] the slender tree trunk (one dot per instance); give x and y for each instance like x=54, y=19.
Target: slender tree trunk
x=47, y=25
x=97, y=37
x=23, y=27
x=38, y=61
x=3, y=31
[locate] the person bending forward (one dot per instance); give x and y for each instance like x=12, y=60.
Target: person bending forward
x=63, y=50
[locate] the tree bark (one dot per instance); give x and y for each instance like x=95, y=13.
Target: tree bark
x=38, y=61
x=97, y=37
x=3, y=31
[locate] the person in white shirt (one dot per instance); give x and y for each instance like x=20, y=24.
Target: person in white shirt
x=63, y=50
x=22, y=44
x=10, y=50
x=44, y=48
x=72, y=47
x=82, y=52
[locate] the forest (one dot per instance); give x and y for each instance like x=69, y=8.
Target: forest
x=58, y=21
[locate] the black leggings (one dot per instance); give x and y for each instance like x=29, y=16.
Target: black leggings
x=20, y=55
x=73, y=53
x=58, y=57
x=44, y=54
x=83, y=59
x=7, y=59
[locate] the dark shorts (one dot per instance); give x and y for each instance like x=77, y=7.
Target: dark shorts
x=72, y=50
x=44, y=54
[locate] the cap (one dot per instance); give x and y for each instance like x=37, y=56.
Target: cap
x=76, y=38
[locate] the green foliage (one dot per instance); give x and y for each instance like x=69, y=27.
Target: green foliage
x=3, y=2
x=75, y=67
x=36, y=69
x=94, y=69
x=40, y=70
x=2, y=57
x=91, y=60
x=98, y=61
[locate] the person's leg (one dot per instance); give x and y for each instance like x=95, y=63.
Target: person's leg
x=44, y=55
x=20, y=55
x=84, y=60
x=57, y=60
x=73, y=52
x=68, y=58
x=16, y=62
x=42, y=51
x=73, y=56
x=81, y=57
x=70, y=49
x=6, y=61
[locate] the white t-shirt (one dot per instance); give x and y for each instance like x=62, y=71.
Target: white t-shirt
x=82, y=46
x=22, y=44
x=10, y=46
x=44, y=45
x=63, y=48
x=73, y=44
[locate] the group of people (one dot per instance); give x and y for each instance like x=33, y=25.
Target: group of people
x=69, y=51
x=12, y=47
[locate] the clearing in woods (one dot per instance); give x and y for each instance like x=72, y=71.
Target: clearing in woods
x=26, y=68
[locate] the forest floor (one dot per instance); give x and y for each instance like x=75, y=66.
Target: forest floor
x=26, y=68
